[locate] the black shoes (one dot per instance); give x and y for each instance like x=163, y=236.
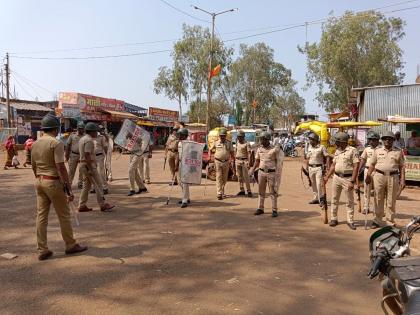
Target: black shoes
x=219, y=197
x=45, y=255
x=131, y=193
x=274, y=214
x=259, y=212
x=333, y=223
x=180, y=202
x=249, y=194
x=375, y=225
x=351, y=226
x=241, y=193
x=141, y=190
x=314, y=202
x=183, y=205
x=106, y=191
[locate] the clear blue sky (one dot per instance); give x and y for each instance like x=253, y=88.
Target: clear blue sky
x=31, y=26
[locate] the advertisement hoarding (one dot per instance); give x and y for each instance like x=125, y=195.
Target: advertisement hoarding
x=163, y=114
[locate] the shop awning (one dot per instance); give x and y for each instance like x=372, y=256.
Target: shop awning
x=145, y=123
x=122, y=115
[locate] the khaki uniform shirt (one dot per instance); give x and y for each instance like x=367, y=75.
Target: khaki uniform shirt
x=367, y=155
x=100, y=143
x=221, y=150
x=268, y=157
x=73, y=142
x=345, y=159
x=172, y=143
x=242, y=150
x=46, y=152
x=316, y=154
x=387, y=161
x=86, y=145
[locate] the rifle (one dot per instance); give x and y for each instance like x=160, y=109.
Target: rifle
x=323, y=202
x=306, y=173
x=359, y=201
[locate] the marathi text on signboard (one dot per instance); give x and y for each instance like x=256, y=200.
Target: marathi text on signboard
x=163, y=114
x=412, y=168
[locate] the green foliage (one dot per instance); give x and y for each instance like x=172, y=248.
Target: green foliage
x=355, y=50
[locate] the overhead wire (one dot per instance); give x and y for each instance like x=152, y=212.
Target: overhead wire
x=32, y=83
x=183, y=12
x=21, y=86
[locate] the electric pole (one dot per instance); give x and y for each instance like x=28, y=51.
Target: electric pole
x=9, y=119
x=213, y=20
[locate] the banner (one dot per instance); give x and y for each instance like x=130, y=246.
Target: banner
x=133, y=138
x=163, y=114
x=191, y=162
x=279, y=169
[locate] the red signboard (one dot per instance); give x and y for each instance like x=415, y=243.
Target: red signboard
x=163, y=114
x=91, y=103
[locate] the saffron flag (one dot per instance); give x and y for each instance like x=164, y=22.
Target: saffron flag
x=215, y=71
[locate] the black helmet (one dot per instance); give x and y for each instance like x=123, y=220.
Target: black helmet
x=80, y=125
x=388, y=134
x=341, y=137
x=241, y=133
x=50, y=121
x=313, y=136
x=90, y=126
x=265, y=135
x=183, y=131
x=373, y=135
x=222, y=132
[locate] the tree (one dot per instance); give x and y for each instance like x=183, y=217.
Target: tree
x=255, y=76
x=355, y=50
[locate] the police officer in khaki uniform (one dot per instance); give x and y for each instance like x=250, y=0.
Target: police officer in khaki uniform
x=316, y=159
x=171, y=151
x=345, y=168
x=267, y=161
x=388, y=164
x=88, y=168
x=243, y=156
x=182, y=135
x=51, y=182
x=101, y=149
x=133, y=170
x=222, y=150
x=365, y=161
x=72, y=152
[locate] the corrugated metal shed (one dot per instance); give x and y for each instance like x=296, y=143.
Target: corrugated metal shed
x=30, y=107
x=381, y=101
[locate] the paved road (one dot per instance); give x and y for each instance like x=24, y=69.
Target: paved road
x=214, y=257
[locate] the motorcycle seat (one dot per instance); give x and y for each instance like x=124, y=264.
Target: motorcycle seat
x=407, y=268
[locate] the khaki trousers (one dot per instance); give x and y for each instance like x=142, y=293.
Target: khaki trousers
x=242, y=173
x=222, y=171
x=171, y=163
x=386, y=188
x=338, y=185
x=100, y=160
x=51, y=192
x=264, y=180
x=73, y=162
x=91, y=178
x=367, y=192
x=315, y=174
x=144, y=167
x=133, y=173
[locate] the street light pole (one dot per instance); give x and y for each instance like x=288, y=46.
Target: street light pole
x=213, y=20
x=7, y=68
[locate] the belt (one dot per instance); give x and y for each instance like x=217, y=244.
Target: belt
x=389, y=173
x=241, y=159
x=77, y=153
x=315, y=165
x=98, y=154
x=223, y=161
x=343, y=175
x=268, y=171
x=48, y=177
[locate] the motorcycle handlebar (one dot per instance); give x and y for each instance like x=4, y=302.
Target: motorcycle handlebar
x=374, y=271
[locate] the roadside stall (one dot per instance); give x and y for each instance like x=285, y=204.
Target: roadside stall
x=412, y=155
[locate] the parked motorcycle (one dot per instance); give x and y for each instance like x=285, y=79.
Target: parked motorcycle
x=400, y=274
x=289, y=148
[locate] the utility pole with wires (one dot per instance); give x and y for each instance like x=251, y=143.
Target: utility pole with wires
x=7, y=70
x=213, y=19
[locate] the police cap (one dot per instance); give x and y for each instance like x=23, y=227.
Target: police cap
x=222, y=132
x=80, y=125
x=265, y=135
x=388, y=134
x=183, y=131
x=241, y=133
x=313, y=136
x=341, y=137
x=50, y=121
x=90, y=126
x=373, y=135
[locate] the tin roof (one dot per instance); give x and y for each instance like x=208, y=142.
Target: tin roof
x=384, y=86
x=28, y=106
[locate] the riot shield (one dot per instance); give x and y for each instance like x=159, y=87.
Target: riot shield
x=191, y=162
x=133, y=138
